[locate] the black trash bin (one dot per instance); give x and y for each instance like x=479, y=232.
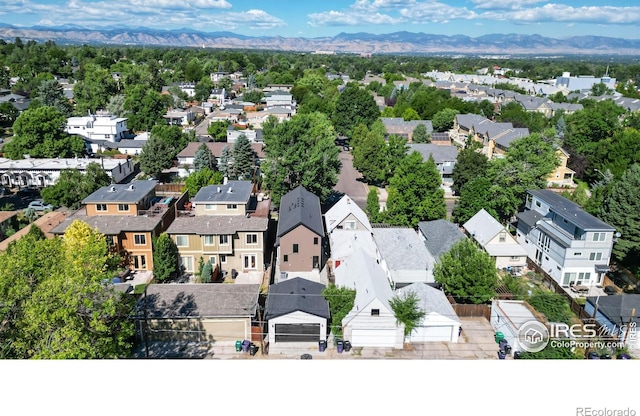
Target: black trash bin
x=339, y=346
x=322, y=345
x=347, y=346
x=502, y=344
x=517, y=355
x=501, y=355
x=507, y=349
x=253, y=349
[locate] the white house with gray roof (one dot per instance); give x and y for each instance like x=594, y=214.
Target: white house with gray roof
x=494, y=238
x=440, y=323
x=569, y=244
x=404, y=257
x=346, y=215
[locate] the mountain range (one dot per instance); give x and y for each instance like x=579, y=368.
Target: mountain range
x=363, y=43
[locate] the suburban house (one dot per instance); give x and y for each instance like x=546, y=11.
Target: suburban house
x=619, y=315
x=343, y=245
x=561, y=176
x=371, y=322
x=494, y=137
x=404, y=257
x=439, y=236
x=196, y=312
x=300, y=233
x=569, y=244
x=256, y=118
x=98, y=127
x=496, y=240
x=19, y=102
x=440, y=322
x=296, y=311
x=279, y=98
x=583, y=82
x=443, y=156
x=130, y=216
x=508, y=316
x=180, y=117
x=46, y=172
x=186, y=155
x=400, y=127
x=346, y=215
x=234, y=132
x=220, y=227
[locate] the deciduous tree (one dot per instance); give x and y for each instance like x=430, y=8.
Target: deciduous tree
x=354, y=106
x=420, y=134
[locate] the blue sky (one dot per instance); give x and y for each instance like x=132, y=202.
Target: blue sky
x=311, y=18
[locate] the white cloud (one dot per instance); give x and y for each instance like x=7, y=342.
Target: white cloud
x=570, y=14
x=184, y=4
x=504, y=4
x=436, y=13
x=351, y=18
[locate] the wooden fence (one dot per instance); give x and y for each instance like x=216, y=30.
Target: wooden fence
x=470, y=310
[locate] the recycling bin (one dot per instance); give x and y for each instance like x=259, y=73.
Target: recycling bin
x=347, y=346
x=501, y=355
x=322, y=345
x=245, y=345
x=238, y=346
x=253, y=349
x=499, y=337
x=339, y=346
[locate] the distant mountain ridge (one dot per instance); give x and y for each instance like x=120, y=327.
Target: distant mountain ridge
x=397, y=42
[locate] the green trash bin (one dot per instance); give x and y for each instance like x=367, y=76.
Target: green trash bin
x=238, y=346
x=499, y=337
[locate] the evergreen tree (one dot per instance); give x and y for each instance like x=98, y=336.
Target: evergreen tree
x=225, y=161
x=244, y=159
x=204, y=158
x=373, y=205
x=420, y=134
x=166, y=258
x=207, y=272
x=470, y=164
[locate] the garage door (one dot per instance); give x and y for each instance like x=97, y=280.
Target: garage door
x=373, y=338
x=297, y=332
x=432, y=333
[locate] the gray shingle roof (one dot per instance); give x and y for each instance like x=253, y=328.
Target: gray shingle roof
x=218, y=224
x=440, y=153
x=570, y=210
x=617, y=308
x=431, y=300
x=296, y=294
x=232, y=192
x=299, y=207
x=439, y=236
x=402, y=249
x=483, y=227
x=208, y=300
x=130, y=193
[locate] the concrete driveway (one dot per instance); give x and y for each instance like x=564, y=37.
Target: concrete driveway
x=350, y=180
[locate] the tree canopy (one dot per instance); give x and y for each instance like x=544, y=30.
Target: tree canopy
x=73, y=186
x=354, y=106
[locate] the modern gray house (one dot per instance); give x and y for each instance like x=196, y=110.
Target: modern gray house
x=569, y=244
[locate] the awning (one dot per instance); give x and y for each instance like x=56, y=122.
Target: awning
x=602, y=268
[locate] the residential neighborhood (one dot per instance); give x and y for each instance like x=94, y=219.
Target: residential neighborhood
x=250, y=213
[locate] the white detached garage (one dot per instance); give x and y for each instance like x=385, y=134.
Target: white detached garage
x=440, y=322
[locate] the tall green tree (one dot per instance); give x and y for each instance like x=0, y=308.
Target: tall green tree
x=373, y=205
x=39, y=132
x=201, y=178
x=226, y=158
x=443, y=119
x=354, y=106
x=166, y=259
x=157, y=155
x=94, y=91
x=474, y=196
x=49, y=93
x=414, y=192
x=621, y=210
x=468, y=273
x=244, y=159
x=420, y=134
x=145, y=108
x=370, y=153
x=218, y=130
x=301, y=151
x=470, y=164
x=204, y=158
x=407, y=311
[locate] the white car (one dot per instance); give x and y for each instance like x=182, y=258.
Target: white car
x=39, y=205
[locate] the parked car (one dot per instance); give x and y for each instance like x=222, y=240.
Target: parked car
x=610, y=290
x=39, y=205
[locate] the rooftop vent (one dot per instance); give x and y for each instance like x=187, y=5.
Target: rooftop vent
x=131, y=187
x=112, y=188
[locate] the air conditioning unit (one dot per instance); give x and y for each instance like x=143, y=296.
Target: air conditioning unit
x=283, y=275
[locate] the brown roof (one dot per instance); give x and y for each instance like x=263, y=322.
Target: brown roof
x=216, y=149
x=5, y=215
x=110, y=224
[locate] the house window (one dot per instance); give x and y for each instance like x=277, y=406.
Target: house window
x=252, y=238
x=315, y=241
x=224, y=240
x=316, y=262
x=515, y=258
x=182, y=241
x=210, y=207
x=223, y=258
x=538, y=203
x=187, y=263
x=250, y=261
x=595, y=256
x=375, y=312
x=123, y=207
x=577, y=253
x=503, y=236
x=295, y=248
x=139, y=239
x=285, y=258
x=140, y=262
x=232, y=206
x=599, y=236
x=350, y=225
x=209, y=240
x=101, y=207
x=212, y=260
